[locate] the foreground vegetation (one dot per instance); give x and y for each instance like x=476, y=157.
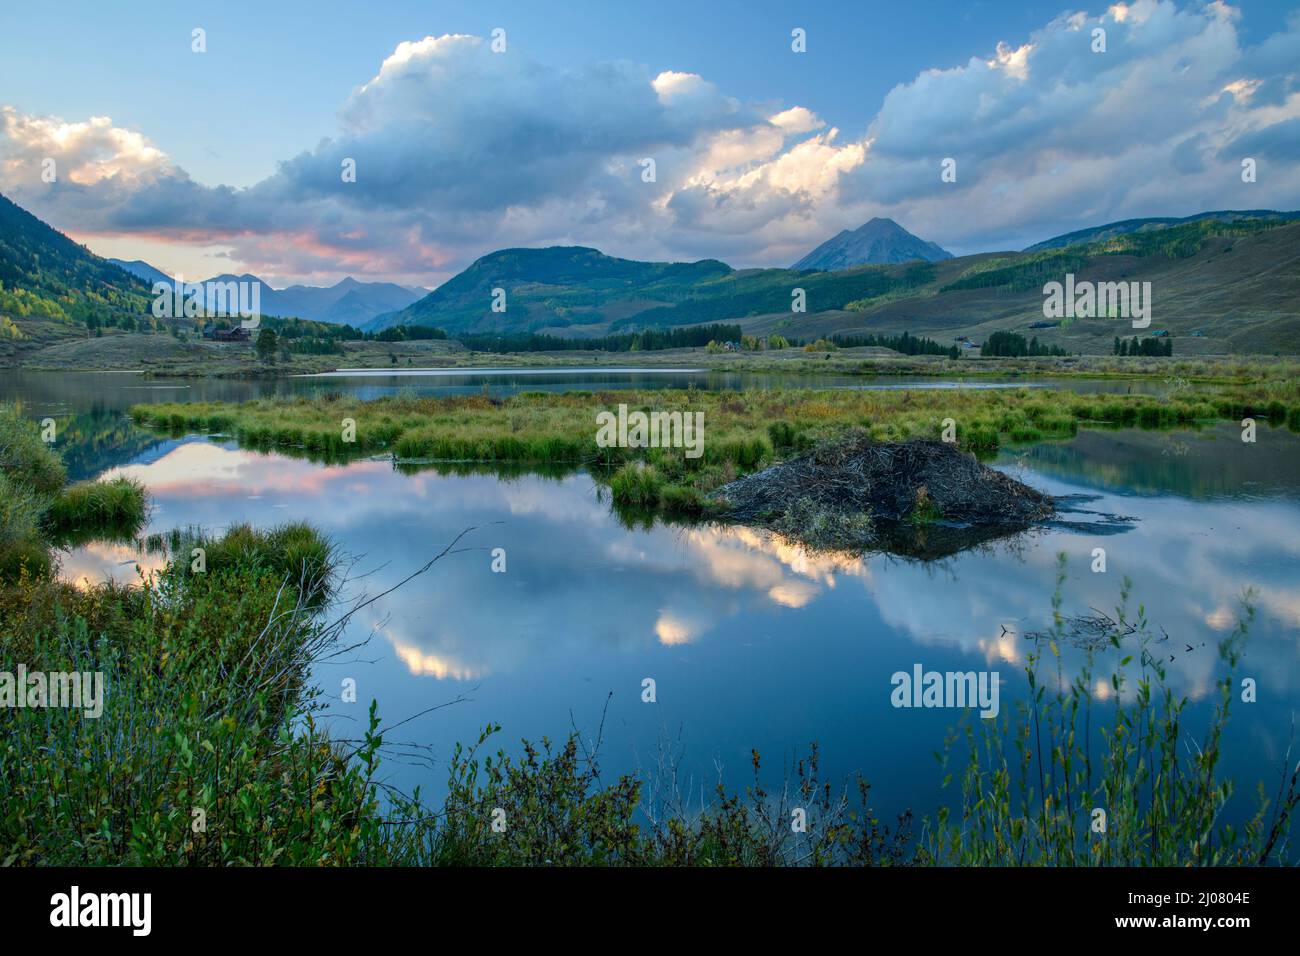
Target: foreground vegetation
x=744, y=430
x=208, y=750
x=1101, y=767
x=38, y=510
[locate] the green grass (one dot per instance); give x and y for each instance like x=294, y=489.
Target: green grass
x=744, y=431
x=294, y=551
x=97, y=510
x=637, y=485
x=21, y=548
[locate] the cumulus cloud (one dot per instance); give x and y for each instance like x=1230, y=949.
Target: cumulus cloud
x=460, y=150
x=1052, y=136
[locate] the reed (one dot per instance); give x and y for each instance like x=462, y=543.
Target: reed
x=743, y=431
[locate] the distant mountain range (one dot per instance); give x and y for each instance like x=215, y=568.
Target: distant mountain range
x=1232, y=279
x=1222, y=281
x=142, y=270
x=875, y=242
x=348, y=302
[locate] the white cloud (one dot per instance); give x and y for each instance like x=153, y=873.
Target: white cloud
x=460, y=151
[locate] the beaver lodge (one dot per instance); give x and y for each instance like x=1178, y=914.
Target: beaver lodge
x=919, y=498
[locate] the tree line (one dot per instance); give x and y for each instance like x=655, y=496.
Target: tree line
x=1164, y=345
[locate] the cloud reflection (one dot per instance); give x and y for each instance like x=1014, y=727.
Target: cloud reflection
x=583, y=589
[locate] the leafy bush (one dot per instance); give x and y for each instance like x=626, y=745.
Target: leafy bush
x=25, y=458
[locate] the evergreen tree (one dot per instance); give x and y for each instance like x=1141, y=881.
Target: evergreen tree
x=266, y=345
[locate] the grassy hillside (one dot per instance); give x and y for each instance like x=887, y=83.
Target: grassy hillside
x=1235, y=281
x=1112, y=229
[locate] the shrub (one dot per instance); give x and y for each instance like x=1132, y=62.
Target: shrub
x=636, y=485
x=25, y=458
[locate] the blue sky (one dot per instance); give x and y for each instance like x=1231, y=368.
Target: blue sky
x=459, y=151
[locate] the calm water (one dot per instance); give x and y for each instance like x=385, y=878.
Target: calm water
x=752, y=642
x=89, y=406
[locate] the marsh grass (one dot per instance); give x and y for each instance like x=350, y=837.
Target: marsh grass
x=744, y=431
x=637, y=485
x=294, y=552
x=114, y=509
x=24, y=458
x=21, y=548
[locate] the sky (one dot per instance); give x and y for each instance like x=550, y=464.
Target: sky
x=235, y=158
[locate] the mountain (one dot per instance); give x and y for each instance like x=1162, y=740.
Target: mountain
x=142, y=270
x=576, y=291
x=1236, y=281
x=1228, y=282
x=347, y=302
x=1217, y=286
x=875, y=242
x=44, y=274
x=555, y=288
x=1126, y=226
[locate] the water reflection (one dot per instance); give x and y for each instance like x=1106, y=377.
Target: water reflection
x=95, y=434
x=753, y=640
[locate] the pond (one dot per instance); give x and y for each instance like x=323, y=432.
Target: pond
x=751, y=641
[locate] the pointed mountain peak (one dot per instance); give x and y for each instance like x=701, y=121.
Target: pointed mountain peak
x=876, y=241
